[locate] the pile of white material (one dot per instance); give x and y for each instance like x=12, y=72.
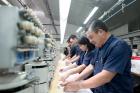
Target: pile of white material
x=72, y=78
x=81, y=91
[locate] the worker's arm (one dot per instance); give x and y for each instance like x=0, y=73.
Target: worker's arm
x=78, y=69
x=93, y=82
x=98, y=80
x=66, y=57
x=68, y=67
x=86, y=72
x=74, y=59
x=73, y=71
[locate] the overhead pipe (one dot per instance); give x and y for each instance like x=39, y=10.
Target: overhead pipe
x=22, y=4
x=113, y=7
x=51, y=17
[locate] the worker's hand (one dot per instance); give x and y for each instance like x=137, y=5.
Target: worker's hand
x=63, y=83
x=72, y=86
x=72, y=77
x=63, y=69
x=64, y=76
x=67, y=61
x=75, y=77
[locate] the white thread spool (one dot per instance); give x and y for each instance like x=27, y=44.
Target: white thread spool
x=26, y=25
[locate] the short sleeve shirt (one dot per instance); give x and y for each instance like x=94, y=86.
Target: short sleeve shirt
x=75, y=50
x=118, y=61
x=85, y=58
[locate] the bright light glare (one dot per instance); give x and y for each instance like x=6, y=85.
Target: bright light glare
x=6, y=2
x=91, y=14
x=64, y=7
x=79, y=29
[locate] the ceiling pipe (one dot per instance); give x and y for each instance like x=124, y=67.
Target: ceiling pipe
x=113, y=7
x=22, y=4
x=119, y=10
x=51, y=17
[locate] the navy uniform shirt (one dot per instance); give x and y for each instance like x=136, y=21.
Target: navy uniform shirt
x=85, y=58
x=118, y=61
x=75, y=50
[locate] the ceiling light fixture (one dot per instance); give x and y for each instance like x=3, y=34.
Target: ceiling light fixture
x=64, y=7
x=6, y=2
x=79, y=29
x=91, y=14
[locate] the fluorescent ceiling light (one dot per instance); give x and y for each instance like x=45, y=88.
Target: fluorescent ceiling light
x=6, y=2
x=79, y=29
x=64, y=7
x=91, y=14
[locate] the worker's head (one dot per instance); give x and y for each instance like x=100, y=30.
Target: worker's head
x=85, y=44
x=66, y=51
x=69, y=43
x=97, y=33
x=73, y=39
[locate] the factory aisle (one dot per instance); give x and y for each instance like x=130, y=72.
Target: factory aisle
x=54, y=88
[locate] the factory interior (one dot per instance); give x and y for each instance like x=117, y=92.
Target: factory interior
x=62, y=46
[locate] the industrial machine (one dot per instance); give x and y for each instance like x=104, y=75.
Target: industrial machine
x=22, y=41
x=39, y=69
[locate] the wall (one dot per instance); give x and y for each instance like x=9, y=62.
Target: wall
x=124, y=30
x=120, y=30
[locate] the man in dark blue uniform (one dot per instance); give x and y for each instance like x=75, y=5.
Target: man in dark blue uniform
x=74, y=50
x=74, y=46
x=111, y=66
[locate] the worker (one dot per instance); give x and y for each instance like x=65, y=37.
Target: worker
x=111, y=66
x=74, y=51
x=67, y=49
x=85, y=58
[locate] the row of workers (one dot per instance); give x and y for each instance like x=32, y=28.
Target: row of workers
x=98, y=61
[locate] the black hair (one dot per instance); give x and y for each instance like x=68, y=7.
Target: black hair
x=98, y=24
x=66, y=51
x=68, y=40
x=72, y=37
x=84, y=41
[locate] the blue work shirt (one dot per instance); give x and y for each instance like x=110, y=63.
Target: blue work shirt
x=75, y=50
x=118, y=61
x=85, y=58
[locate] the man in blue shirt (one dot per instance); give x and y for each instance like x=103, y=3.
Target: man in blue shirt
x=74, y=50
x=111, y=66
